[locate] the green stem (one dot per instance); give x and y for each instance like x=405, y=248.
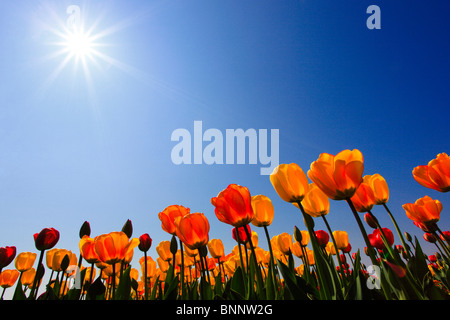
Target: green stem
x=35, y=281
x=398, y=230
x=145, y=276
x=182, y=268
x=335, y=247
x=370, y=249
x=240, y=251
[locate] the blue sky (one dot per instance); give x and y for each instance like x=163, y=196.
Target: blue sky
x=94, y=143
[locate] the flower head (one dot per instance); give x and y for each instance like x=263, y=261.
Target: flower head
x=338, y=176
x=435, y=175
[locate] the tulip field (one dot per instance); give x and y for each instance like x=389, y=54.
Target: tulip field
x=194, y=267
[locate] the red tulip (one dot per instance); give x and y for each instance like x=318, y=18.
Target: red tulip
x=7, y=255
x=145, y=242
x=445, y=236
x=322, y=237
x=242, y=234
x=348, y=249
x=429, y=237
x=376, y=238
x=46, y=239
x=432, y=258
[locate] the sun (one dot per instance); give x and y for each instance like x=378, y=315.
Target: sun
x=79, y=44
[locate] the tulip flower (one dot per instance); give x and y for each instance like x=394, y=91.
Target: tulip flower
x=111, y=248
x=290, y=182
x=338, y=176
x=168, y=216
x=425, y=210
x=233, y=206
x=322, y=237
x=263, y=210
x=8, y=278
x=27, y=277
x=216, y=248
x=46, y=239
x=240, y=235
x=379, y=187
x=429, y=237
x=376, y=239
x=364, y=198
x=284, y=241
x=341, y=238
x=25, y=261
x=193, y=230
x=163, y=250
x=87, y=249
x=145, y=242
x=7, y=255
x=315, y=203
x=435, y=175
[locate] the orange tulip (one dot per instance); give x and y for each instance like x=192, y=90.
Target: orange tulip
x=216, y=248
x=163, y=250
x=315, y=203
x=87, y=249
x=24, y=261
x=193, y=229
x=27, y=277
x=425, y=210
x=379, y=187
x=364, y=198
x=435, y=175
x=233, y=206
x=338, y=176
x=263, y=210
x=151, y=266
x=112, y=248
x=168, y=216
x=290, y=182
x=8, y=278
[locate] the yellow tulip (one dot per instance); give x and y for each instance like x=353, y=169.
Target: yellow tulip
x=316, y=203
x=284, y=242
x=216, y=248
x=290, y=182
x=379, y=187
x=263, y=210
x=341, y=238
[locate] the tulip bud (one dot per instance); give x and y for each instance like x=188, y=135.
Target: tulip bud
x=173, y=245
x=371, y=220
x=308, y=220
x=408, y=236
x=322, y=237
x=432, y=258
x=145, y=242
x=65, y=262
x=297, y=235
x=85, y=230
x=128, y=228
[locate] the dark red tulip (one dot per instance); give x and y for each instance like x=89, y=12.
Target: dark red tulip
x=7, y=255
x=429, y=237
x=322, y=238
x=370, y=220
x=46, y=239
x=348, y=249
x=145, y=242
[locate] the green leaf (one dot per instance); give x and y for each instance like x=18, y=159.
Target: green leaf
x=96, y=290
x=123, y=290
x=298, y=293
x=238, y=282
x=18, y=292
x=206, y=292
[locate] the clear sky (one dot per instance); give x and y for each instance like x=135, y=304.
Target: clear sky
x=92, y=140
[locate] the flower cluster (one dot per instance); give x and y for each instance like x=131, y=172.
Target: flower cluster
x=192, y=266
